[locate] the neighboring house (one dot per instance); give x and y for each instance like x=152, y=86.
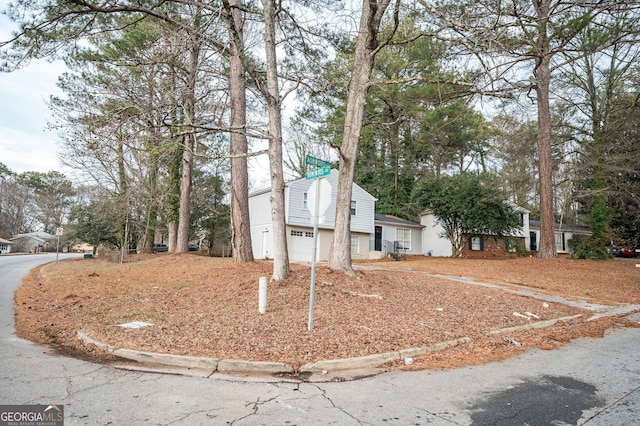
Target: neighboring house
x=33, y=242
x=396, y=236
x=80, y=248
x=562, y=233
x=5, y=246
x=376, y=235
x=298, y=222
x=434, y=244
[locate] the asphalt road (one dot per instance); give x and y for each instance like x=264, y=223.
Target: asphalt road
x=590, y=381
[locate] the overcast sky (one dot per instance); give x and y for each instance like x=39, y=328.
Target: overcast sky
x=25, y=144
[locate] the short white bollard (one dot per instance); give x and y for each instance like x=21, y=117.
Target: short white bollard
x=262, y=295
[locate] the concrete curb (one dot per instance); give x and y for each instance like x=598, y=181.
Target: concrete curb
x=210, y=365
x=184, y=361
x=232, y=366
x=412, y=352
x=376, y=360
x=367, y=361
x=533, y=325
x=88, y=340
x=229, y=366
x=372, y=363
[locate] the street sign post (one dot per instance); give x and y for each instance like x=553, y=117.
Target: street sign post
x=59, y=231
x=321, y=190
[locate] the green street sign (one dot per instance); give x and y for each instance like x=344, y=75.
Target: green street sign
x=313, y=161
x=318, y=172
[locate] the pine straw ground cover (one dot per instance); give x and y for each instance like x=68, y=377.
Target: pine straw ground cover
x=209, y=307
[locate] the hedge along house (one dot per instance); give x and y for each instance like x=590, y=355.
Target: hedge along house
x=300, y=227
x=434, y=244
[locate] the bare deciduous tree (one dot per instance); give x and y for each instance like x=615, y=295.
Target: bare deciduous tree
x=367, y=46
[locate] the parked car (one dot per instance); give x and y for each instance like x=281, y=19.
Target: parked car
x=157, y=248
x=613, y=251
x=193, y=247
x=627, y=252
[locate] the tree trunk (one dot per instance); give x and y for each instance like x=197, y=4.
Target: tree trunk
x=182, y=235
x=172, y=234
x=152, y=206
x=280, y=251
x=152, y=198
x=123, y=198
x=366, y=45
x=172, y=209
x=240, y=226
x=182, y=238
x=542, y=74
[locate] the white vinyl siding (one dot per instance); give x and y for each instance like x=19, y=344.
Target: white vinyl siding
x=297, y=212
x=298, y=220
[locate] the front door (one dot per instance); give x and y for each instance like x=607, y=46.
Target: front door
x=377, y=241
x=533, y=245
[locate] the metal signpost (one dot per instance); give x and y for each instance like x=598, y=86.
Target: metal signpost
x=319, y=197
x=59, y=231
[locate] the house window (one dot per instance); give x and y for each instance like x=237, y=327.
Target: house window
x=304, y=202
x=560, y=241
x=308, y=234
x=296, y=233
x=355, y=244
x=403, y=237
x=476, y=243
x=353, y=208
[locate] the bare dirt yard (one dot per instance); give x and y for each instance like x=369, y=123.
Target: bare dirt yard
x=206, y=306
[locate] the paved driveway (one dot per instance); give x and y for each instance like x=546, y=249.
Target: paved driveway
x=590, y=381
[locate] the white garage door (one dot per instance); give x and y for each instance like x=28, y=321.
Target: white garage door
x=300, y=245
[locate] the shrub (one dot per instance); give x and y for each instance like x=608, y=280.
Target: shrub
x=585, y=247
x=512, y=244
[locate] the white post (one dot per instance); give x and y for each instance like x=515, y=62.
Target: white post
x=262, y=295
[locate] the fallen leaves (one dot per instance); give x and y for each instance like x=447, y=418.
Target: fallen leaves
x=209, y=307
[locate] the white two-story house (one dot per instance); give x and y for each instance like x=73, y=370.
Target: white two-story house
x=300, y=226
